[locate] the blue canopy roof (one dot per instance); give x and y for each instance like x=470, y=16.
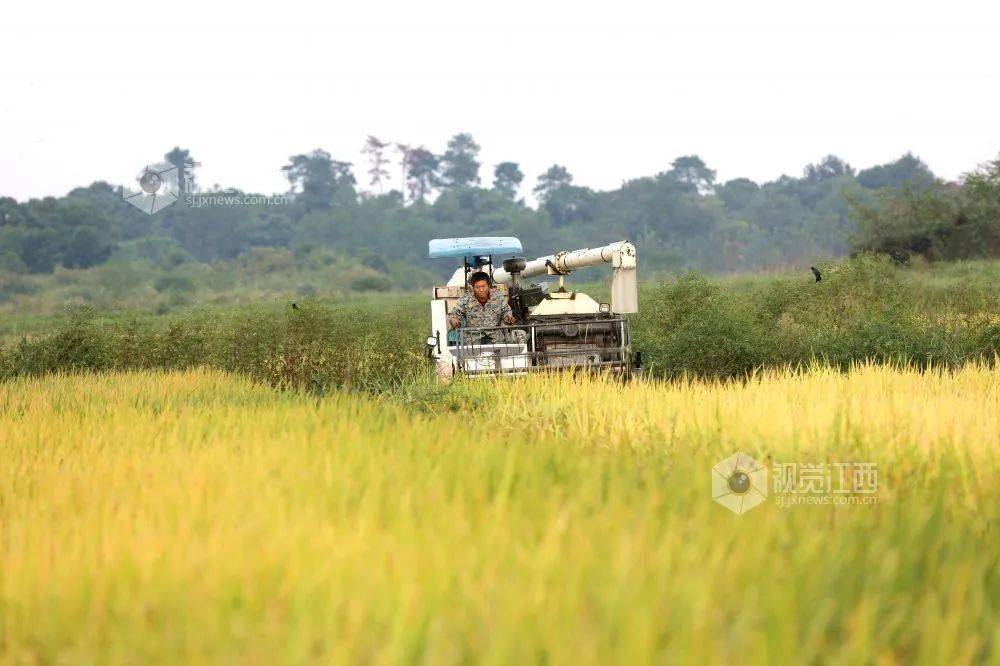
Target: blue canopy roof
x=477, y=246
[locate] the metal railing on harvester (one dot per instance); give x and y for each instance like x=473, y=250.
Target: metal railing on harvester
x=501, y=350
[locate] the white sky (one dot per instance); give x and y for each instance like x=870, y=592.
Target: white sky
x=613, y=90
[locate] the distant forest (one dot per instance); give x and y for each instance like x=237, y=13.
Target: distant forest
x=680, y=218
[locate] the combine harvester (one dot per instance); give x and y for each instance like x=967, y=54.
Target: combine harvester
x=562, y=329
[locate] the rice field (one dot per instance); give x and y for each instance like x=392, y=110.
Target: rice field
x=198, y=516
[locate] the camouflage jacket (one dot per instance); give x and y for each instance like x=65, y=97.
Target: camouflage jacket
x=474, y=315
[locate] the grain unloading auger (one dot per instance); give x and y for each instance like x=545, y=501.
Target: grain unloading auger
x=563, y=329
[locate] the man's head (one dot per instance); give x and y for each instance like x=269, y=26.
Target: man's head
x=480, y=282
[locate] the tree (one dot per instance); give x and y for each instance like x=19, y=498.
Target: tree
x=459, y=164
x=907, y=169
x=776, y=212
x=555, y=178
x=12, y=214
x=564, y=202
x=980, y=219
x=692, y=172
x=737, y=193
x=829, y=167
x=316, y=177
x=729, y=240
x=572, y=205
x=404, y=167
x=375, y=150
x=421, y=172
x=37, y=248
x=86, y=246
x=910, y=220
x=507, y=178
x=186, y=165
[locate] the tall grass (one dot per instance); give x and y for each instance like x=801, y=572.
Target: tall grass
x=195, y=516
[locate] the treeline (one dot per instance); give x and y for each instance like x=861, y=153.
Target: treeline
x=681, y=218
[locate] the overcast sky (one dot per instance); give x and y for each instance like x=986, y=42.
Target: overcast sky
x=612, y=90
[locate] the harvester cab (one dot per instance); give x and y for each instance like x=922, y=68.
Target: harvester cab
x=556, y=329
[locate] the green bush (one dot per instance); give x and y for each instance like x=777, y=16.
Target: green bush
x=313, y=347
x=692, y=326
x=11, y=263
x=371, y=283
x=177, y=283
x=317, y=347
x=76, y=343
x=863, y=309
x=14, y=285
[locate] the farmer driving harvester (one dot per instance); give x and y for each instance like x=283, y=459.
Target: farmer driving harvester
x=485, y=307
x=517, y=328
